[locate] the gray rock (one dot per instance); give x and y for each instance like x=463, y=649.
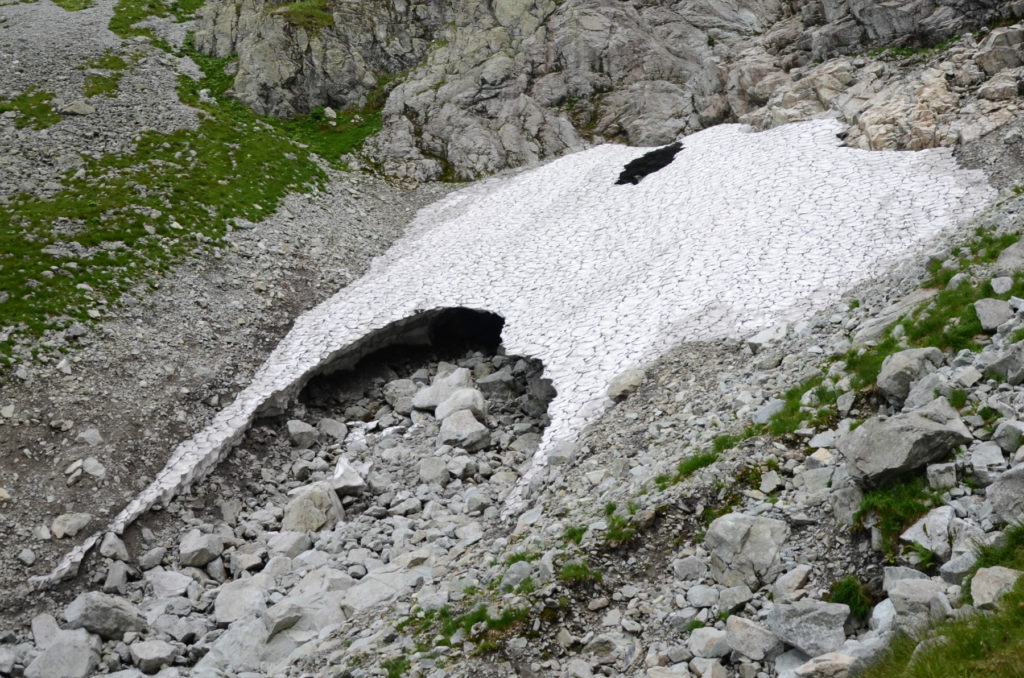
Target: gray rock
x=333, y=429
x=347, y=479
x=434, y=470
x=900, y=370
x=197, y=549
x=399, y=394
x=240, y=599
x=1001, y=49
x=79, y=107
x=789, y=586
x=289, y=544
x=461, y=466
x=1004, y=283
x=991, y=583
x=1009, y=435
x=167, y=584
x=830, y=665
x=462, y=399
x=1007, y=364
x=69, y=524
x=113, y=547
x=429, y=397
x=301, y=434
x=71, y=654
x=987, y=462
x=765, y=413
x=881, y=450
x=517, y=573
x=702, y=596
x=498, y=384
x=44, y=630
x=941, y=476
x=891, y=575
x=689, y=568
x=992, y=313
x=106, y=615
x=811, y=626
x=152, y=655
x=117, y=578
x=1006, y=495
x=956, y=569
x=312, y=507
x=461, y=429
x=744, y=549
x=751, y=640
x=883, y=616
x=624, y=384
x=708, y=642
x=913, y=597
x=932, y=532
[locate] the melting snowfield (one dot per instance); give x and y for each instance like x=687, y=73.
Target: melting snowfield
x=740, y=232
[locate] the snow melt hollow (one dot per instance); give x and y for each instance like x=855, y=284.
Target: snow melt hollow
x=740, y=232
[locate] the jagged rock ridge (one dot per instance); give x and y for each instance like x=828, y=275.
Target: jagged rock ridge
x=485, y=86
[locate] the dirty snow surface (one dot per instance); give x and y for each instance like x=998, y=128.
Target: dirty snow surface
x=743, y=230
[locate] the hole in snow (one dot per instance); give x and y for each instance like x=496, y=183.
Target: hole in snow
x=648, y=163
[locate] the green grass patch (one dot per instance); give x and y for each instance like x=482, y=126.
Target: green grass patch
x=127, y=13
x=578, y=573
x=73, y=5
x=310, y=15
x=849, y=591
x=980, y=646
x=958, y=398
x=620, y=530
x=96, y=85
x=397, y=667
x=33, y=108
x=574, y=534
x=524, y=557
x=896, y=508
x=687, y=467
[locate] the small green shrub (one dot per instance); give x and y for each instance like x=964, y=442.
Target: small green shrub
x=958, y=398
x=620, y=530
x=849, y=591
x=574, y=534
x=396, y=667
x=896, y=508
x=698, y=461
x=578, y=572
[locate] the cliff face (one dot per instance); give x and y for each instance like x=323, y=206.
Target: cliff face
x=487, y=85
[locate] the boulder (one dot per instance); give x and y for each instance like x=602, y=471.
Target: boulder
x=312, y=507
x=624, y=384
x=461, y=429
x=900, y=370
x=1007, y=364
x=347, y=479
x=1001, y=50
x=333, y=429
x=881, y=450
x=991, y=583
x=243, y=598
x=106, y=615
x=166, y=583
x=831, y=665
x=429, y=397
x=462, y=399
x=992, y=313
x=69, y=524
x=932, y=532
x=152, y=655
x=913, y=597
x=708, y=642
x=112, y=547
x=744, y=549
x=751, y=640
x=987, y=462
x=399, y=394
x=1006, y=495
x=197, y=549
x=71, y=654
x=498, y=384
x=1009, y=435
x=434, y=470
x=812, y=626
x=301, y=434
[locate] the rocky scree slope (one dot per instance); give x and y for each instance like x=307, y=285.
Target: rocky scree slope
x=359, y=534
x=483, y=86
